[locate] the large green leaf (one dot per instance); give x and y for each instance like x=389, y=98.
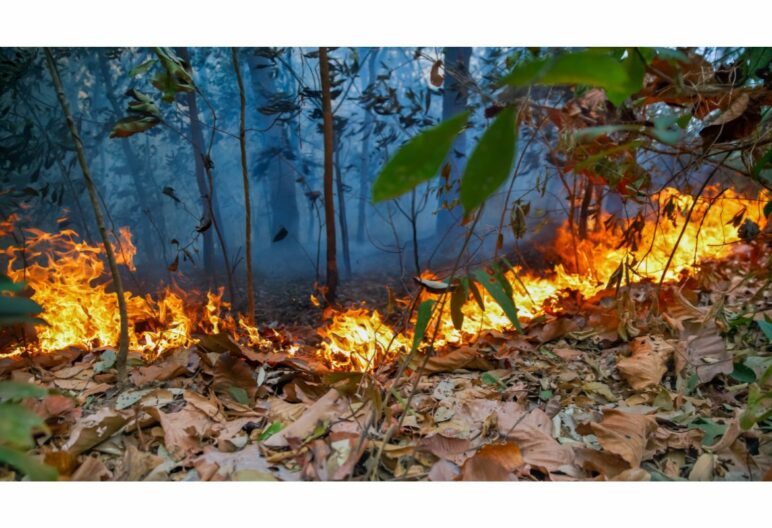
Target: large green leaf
x=17, y=390
x=27, y=464
x=418, y=160
x=491, y=162
x=592, y=67
x=6, y=284
x=17, y=424
x=422, y=321
x=499, y=294
x=18, y=306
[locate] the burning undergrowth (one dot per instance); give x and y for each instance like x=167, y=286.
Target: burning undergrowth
x=67, y=277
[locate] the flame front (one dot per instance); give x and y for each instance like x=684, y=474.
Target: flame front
x=69, y=280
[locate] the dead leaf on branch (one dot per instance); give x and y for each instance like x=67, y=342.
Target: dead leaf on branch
x=436, y=77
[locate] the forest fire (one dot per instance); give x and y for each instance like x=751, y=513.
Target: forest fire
x=68, y=278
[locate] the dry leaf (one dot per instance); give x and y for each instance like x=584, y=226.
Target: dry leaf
x=326, y=407
x=94, y=429
x=92, y=469
x=493, y=462
x=703, y=468
x=625, y=434
x=648, y=362
x=436, y=77
x=183, y=430
x=460, y=358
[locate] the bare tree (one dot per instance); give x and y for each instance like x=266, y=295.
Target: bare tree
x=123, y=341
x=247, y=199
x=329, y=204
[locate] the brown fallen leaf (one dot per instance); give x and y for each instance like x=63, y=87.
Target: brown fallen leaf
x=538, y=448
x=703, y=468
x=234, y=379
x=648, y=362
x=247, y=464
x=184, y=430
x=493, y=462
x=625, y=434
x=706, y=354
x=94, y=429
x=457, y=450
x=170, y=367
x=465, y=357
x=633, y=475
x=593, y=461
x=137, y=464
x=93, y=470
x=443, y=470
x=326, y=407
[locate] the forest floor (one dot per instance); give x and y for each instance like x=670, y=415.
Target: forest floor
x=568, y=399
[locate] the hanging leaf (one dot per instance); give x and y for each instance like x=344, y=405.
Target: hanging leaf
x=592, y=67
x=128, y=126
x=281, y=234
x=499, y=294
x=422, y=321
x=142, y=68
x=418, y=160
x=436, y=77
x=491, y=162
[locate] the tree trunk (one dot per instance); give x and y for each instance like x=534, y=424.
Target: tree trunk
x=454, y=101
x=143, y=182
x=364, y=163
x=123, y=340
x=342, y=210
x=275, y=153
x=210, y=200
x=247, y=199
x=203, y=188
x=329, y=205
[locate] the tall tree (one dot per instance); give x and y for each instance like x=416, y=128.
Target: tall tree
x=145, y=188
x=341, y=190
x=329, y=204
x=123, y=340
x=454, y=101
x=202, y=156
x=364, y=160
x=276, y=153
x=245, y=180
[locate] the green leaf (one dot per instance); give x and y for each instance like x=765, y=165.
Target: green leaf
x=759, y=407
x=768, y=208
x=238, y=394
x=27, y=464
x=6, y=284
x=499, y=294
x=766, y=327
x=106, y=361
x=18, y=424
x=272, y=429
x=16, y=390
x=592, y=67
x=475, y=292
x=711, y=429
x=422, y=321
x=142, y=68
x=490, y=164
x=418, y=160
x=15, y=306
x=743, y=374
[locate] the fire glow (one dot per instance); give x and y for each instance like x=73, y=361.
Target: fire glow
x=68, y=278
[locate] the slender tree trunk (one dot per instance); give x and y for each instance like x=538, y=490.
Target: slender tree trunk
x=123, y=341
x=454, y=101
x=203, y=188
x=210, y=201
x=146, y=201
x=247, y=199
x=364, y=163
x=329, y=204
x=342, y=210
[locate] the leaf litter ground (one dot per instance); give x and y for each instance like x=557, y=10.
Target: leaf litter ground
x=630, y=385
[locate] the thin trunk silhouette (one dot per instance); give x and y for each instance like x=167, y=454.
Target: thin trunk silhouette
x=247, y=199
x=123, y=340
x=329, y=204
